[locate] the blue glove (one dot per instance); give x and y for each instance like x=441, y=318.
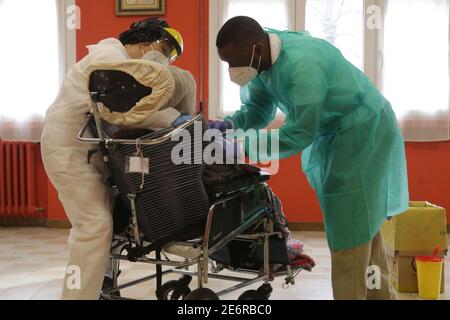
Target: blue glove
x=222, y=126
x=182, y=119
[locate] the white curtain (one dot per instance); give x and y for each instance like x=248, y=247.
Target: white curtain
x=340, y=23
x=30, y=64
x=416, y=66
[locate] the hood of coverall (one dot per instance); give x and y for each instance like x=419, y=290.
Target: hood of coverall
x=107, y=45
x=149, y=74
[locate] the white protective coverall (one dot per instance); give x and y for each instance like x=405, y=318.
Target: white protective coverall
x=80, y=185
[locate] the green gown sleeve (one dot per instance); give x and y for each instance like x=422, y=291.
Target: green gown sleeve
x=257, y=110
x=303, y=89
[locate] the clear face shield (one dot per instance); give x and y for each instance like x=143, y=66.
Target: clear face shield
x=169, y=45
x=165, y=46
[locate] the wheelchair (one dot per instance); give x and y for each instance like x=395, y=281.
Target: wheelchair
x=228, y=226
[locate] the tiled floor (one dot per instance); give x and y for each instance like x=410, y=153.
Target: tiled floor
x=32, y=263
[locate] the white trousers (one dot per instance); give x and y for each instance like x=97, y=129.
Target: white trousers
x=87, y=202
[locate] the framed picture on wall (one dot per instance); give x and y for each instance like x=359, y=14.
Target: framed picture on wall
x=140, y=7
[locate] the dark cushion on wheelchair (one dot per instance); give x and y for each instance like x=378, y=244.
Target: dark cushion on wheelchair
x=219, y=190
x=117, y=90
x=249, y=255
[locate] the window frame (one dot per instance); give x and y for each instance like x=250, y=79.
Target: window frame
x=373, y=55
x=68, y=57
x=67, y=38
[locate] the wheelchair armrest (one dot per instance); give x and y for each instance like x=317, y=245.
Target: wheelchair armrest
x=114, y=132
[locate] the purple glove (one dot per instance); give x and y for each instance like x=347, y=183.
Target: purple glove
x=222, y=126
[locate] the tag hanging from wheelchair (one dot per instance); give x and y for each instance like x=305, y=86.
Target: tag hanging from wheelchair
x=138, y=163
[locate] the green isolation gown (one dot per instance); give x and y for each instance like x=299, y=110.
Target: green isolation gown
x=353, y=152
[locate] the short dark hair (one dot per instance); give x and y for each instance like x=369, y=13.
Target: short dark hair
x=239, y=30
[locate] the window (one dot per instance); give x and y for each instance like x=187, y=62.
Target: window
x=402, y=45
x=38, y=50
x=340, y=23
x=415, y=74
x=329, y=19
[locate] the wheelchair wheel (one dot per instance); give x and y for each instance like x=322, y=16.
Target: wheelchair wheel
x=262, y=294
x=108, y=283
x=248, y=295
x=202, y=294
x=173, y=290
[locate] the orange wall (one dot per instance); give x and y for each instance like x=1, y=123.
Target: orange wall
x=428, y=172
x=429, y=163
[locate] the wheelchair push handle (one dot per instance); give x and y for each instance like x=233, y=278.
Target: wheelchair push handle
x=83, y=139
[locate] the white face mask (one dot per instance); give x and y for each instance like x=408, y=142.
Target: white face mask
x=155, y=56
x=243, y=75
